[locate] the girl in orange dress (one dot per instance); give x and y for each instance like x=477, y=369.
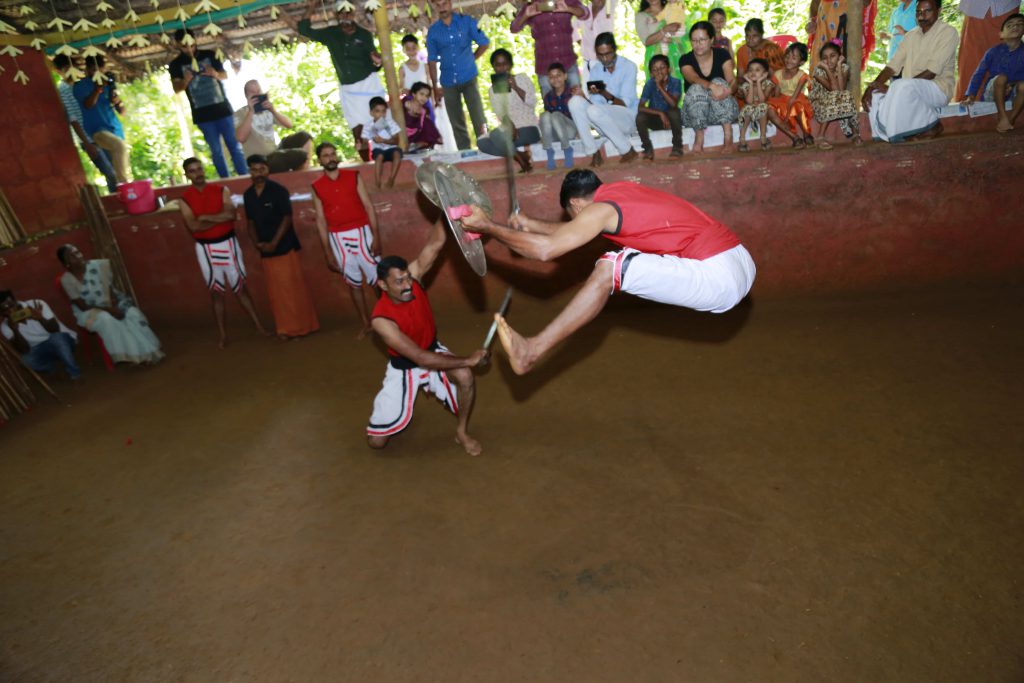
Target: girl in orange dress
x=791, y=104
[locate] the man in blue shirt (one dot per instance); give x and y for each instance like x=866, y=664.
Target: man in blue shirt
x=661, y=95
x=449, y=41
x=99, y=119
x=1004, y=65
x=73, y=111
x=610, y=104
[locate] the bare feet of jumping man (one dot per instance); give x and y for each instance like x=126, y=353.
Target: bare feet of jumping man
x=519, y=349
x=471, y=445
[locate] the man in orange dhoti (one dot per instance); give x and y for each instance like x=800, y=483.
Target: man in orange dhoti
x=983, y=21
x=268, y=210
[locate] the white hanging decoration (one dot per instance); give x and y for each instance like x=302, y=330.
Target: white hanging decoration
x=346, y=6
x=181, y=15
x=21, y=77
x=99, y=78
x=83, y=25
x=38, y=44
x=104, y=6
x=188, y=40
x=507, y=10
x=26, y=10
x=66, y=49
x=247, y=47
x=428, y=10
x=371, y=5
x=274, y=11
x=139, y=40
x=7, y=28
x=107, y=23
x=113, y=41
x=59, y=23
x=165, y=39
x=279, y=39
x=414, y=11
x=31, y=25
x=74, y=73
x=219, y=54
x=10, y=50
x=131, y=16
x=155, y=4
x=212, y=29
x=206, y=6
x=93, y=51
x=241, y=20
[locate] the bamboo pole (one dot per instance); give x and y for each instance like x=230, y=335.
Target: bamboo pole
x=103, y=239
x=380, y=19
x=15, y=364
x=854, y=44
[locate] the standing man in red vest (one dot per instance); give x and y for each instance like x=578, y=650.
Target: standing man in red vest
x=210, y=218
x=347, y=224
x=416, y=359
x=673, y=253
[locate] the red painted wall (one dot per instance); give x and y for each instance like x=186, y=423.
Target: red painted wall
x=41, y=171
x=880, y=216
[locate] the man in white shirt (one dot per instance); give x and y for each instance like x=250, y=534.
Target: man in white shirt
x=36, y=334
x=254, y=128
x=610, y=103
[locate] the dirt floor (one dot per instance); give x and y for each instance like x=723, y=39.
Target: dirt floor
x=817, y=490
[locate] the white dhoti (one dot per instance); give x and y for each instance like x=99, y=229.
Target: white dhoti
x=355, y=99
x=911, y=106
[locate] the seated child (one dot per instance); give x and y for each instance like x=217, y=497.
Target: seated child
x=1004, y=65
x=754, y=91
x=419, y=127
x=384, y=134
x=792, y=106
x=717, y=17
x=659, y=108
x=829, y=97
x=555, y=121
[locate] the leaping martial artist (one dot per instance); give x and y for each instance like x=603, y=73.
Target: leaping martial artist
x=416, y=359
x=672, y=253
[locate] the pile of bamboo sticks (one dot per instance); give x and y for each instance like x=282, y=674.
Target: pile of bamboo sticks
x=11, y=229
x=15, y=394
x=102, y=236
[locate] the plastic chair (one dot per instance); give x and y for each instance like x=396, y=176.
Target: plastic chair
x=85, y=334
x=783, y=41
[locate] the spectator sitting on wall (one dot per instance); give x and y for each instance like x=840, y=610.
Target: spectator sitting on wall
x=659, y=108
x=100, y=106
x=200, y=74
x=254, y=128
x=514, y=102
x=908, y=108
x=73, y=111
x=37, y=335
x=385, y=135
x=1004, y=67
x=556, y=119
x=419, y=127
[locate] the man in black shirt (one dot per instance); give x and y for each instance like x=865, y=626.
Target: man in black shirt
x=199, y=73
x=268, y=211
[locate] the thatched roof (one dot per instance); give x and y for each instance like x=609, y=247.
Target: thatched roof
x=132, y=33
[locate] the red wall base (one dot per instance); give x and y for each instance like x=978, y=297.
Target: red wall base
x=873, y=217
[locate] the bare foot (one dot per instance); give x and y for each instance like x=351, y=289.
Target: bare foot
x=519, y=349
x=697, y=149
x=471, y=445
x=1004, y=125
x=222, y=343
x=366, y=329
x=628, y=156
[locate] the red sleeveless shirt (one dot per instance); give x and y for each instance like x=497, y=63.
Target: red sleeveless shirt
x=414, y=318
x=656, y=222
x=343, y=209
x=206, y=202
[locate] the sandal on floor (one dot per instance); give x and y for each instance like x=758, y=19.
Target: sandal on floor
x=742, y=147
x=809, y=141
x=798, y=143
x=766, y=145
x=824, y=144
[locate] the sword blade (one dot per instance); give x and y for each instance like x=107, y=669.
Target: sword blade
x=494, y=326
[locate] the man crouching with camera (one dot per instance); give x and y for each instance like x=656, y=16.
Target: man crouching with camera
x=255, y=129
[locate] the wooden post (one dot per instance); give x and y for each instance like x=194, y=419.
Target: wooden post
x=854, y=41
x=387, y=53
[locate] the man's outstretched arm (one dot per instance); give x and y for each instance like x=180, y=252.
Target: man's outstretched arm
x=428, y=255
x=430, y=360
x=590, y=223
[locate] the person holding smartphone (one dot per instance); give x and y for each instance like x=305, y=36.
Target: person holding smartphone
x=37, y=335
x=609, y=105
